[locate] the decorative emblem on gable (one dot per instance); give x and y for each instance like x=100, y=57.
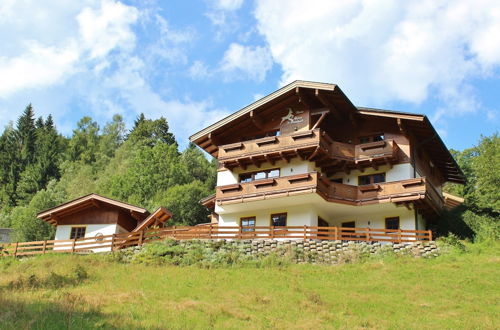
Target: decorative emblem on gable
x=292, y=117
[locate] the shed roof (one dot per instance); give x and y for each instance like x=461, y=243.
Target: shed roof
x=51, y=215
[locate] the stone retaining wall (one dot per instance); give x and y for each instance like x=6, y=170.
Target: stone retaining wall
x=320, y=251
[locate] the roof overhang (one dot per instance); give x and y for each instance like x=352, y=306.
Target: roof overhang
x=159, y=216
x=329, y=93
x=92, y=200
x=420, y=126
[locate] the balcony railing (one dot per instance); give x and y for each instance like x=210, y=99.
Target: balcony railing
x=397, y=191
x=307, y=144
x=299, y=140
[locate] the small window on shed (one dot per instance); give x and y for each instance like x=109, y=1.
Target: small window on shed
x=77, y=232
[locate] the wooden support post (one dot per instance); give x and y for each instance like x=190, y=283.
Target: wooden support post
x=141, y=237
x=210, y=232
x=73, y=245
x=113, y=243
x=305, y=232
x=430, y=235
x=173, y=232
x=44, y=246
x=399, y=235
x=336, y=233
x=367, y=234
x=15, y=249
x=272, y=232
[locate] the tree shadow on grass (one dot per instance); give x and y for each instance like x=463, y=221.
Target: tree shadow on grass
x=67, y=311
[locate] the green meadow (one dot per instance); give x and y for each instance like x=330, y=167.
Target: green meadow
x=459, y=290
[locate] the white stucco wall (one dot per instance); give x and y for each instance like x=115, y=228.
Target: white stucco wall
x=63, y=233
x=296, y=166
x=396, y=173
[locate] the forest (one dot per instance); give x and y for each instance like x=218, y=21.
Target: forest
x=41, y=168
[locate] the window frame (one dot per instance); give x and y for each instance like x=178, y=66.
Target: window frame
x=342, y=225
x=276, y=214
x=75, y=230
x=391, y=219
x=371, y=176
x=247, y=229
x=371, y=138
x=252, y=174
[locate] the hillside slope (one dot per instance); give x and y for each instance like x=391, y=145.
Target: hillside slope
x=459, y=290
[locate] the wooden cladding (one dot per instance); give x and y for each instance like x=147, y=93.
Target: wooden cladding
x=312, y=144
x=397, y=191
x=212, y=231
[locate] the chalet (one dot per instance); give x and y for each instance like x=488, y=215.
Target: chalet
x=95, y=216
x=306, y=156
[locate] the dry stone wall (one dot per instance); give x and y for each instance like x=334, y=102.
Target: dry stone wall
x=318, y=251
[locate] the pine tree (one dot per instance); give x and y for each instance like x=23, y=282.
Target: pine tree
x=26, y=137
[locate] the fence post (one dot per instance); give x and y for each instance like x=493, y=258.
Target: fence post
x=399, y=235
x=173, y=232
x=272, y=232
x=336, y=229
x=44, y=246
x=367, y=234
x=210, y=232
x=240, y=231
x=430, y=235
x=15, y=249
x=141, y=237
x=73, y=246
x=113, y=243
x=305, y=232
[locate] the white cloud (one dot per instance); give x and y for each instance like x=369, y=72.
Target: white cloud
x=40, y=61
x=251, y=62
x=106, y=28
x=229, y=5
x=199, y=70
x=380, y=51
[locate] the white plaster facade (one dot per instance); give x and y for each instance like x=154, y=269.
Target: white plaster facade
x=63, y=233
x=305, y=209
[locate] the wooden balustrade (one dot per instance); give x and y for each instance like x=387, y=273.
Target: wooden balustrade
x=395, y=191
x=212, y=231
x=306, y=143
x=299, y=140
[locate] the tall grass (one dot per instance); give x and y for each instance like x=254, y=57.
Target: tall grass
x=457, y=290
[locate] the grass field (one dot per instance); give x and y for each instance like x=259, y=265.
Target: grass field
x=459, y=290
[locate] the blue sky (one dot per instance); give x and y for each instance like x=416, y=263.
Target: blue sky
x=194, y=62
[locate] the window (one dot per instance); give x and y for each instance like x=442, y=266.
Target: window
x=77, y=232
x=259, y=175
x=371, y=179
x=371, y=138
x=392, y=223
x=278, y=219
x=246, y=224
x=349, y=224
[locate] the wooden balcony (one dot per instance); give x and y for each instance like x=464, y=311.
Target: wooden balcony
x=405, y=191
x=314, y=145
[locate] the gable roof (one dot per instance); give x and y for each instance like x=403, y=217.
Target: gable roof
x=420, y=126
x=160, y=215
x=51, y=215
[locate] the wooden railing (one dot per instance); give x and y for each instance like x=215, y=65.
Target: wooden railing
x=212, y=231
x=314, y=182
x=270, y=144
x=309, y=140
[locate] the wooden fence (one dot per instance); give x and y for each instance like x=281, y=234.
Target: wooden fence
x=119, y=241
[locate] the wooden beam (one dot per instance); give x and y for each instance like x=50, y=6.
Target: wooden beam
x=256, y=120
x=304, y=98
x=319, y=120
x=315, y=152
